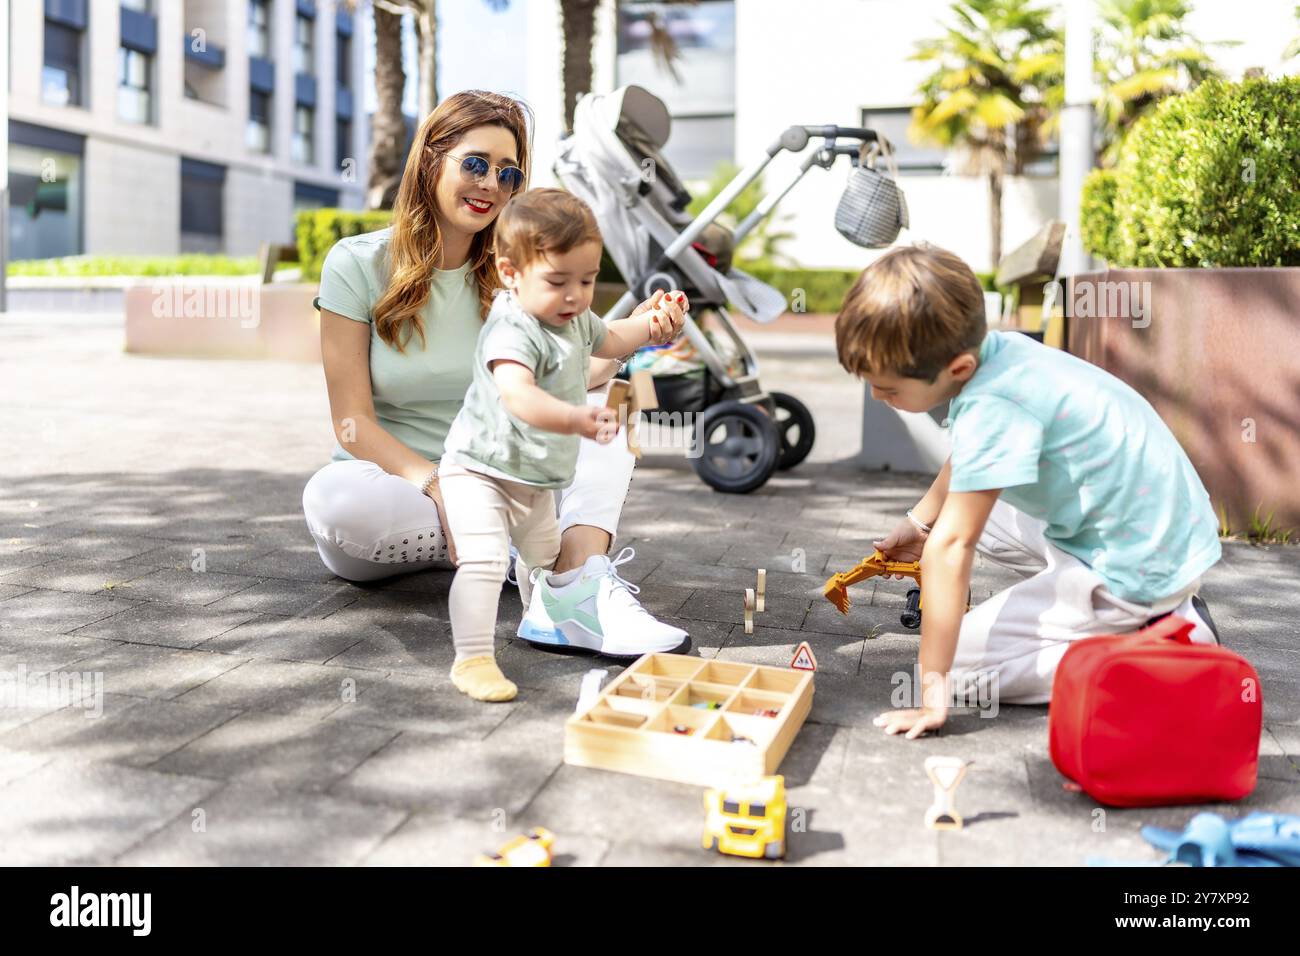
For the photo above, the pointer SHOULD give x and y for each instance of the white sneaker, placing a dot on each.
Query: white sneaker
(597, 612)
(1194, 610)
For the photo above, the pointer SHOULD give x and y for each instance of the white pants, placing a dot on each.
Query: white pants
(369, 524)
(1018, 636)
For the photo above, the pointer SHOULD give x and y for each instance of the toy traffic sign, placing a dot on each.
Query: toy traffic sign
(803, 658)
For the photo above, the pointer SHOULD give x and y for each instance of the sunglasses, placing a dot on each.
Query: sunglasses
(474, 169)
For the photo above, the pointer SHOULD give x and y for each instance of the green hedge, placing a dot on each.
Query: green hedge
(319, 229)
(195, 264)
(823, 290)
(1207, 179)
(1097, 214)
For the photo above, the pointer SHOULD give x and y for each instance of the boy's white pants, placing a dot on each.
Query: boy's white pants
(1018, 636)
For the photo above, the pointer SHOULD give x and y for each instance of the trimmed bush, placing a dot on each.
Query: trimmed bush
(1097, 214)
(1209, 179)
(318, 229)
(823, 290)
(193, 264)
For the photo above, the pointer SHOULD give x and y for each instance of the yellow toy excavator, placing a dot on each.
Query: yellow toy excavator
(837, 588)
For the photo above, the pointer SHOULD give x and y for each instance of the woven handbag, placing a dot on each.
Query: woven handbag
(872, 210)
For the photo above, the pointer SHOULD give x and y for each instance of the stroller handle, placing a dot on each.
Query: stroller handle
(795, 138)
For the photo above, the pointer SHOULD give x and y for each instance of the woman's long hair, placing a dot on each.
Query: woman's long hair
(416, 243)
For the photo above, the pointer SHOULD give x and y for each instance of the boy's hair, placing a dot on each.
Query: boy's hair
(542, 221)
(910, 313)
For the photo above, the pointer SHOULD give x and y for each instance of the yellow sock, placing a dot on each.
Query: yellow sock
(480, 678)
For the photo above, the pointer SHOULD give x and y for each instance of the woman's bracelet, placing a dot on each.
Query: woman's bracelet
(432, 477)
(920, 525)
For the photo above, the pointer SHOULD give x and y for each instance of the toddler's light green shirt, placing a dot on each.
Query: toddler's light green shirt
(488, 439)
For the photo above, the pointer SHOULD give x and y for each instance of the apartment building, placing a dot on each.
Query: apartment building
(169, 126)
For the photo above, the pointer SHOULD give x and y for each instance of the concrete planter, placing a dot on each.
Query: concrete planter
(223, 318)
(1213, 350)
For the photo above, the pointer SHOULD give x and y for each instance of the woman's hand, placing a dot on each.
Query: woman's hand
(904, 543)
(668, 315)
(435, 493)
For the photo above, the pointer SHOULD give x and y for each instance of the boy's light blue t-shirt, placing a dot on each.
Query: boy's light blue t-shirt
(417, 392)
(485, 437)
(1075, 446)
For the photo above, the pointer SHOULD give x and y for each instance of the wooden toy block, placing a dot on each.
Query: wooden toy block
(946, 774)
(749, 610)
(643, 391)
(762, 589)
(620, 400)
(710, 723)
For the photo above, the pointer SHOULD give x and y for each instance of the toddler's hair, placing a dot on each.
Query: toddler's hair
(542, 221)
(910, 313)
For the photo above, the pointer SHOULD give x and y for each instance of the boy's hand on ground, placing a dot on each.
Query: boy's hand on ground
(904, 543)
(912, 722)
(596, 422)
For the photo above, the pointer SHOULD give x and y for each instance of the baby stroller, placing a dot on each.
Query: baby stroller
(741, 433)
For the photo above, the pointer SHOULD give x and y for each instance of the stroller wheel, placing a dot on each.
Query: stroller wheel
(735, 447)
(795, 425)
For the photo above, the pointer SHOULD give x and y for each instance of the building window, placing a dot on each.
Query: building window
(303, 45)
(304, 119)
(342, 141)
(259, 28)
(140, 6)
(61, 73)
(259, 122)
(892, 123)
(343, 60)
(202, 208)
(702, 97)
(44, 203)
(133, 85)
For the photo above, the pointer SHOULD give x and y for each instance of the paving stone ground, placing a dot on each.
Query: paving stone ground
(263, 711)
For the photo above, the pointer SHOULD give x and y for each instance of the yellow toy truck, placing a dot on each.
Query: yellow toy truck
(747, 820)
(531, 849)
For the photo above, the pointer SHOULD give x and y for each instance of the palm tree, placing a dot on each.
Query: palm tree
(578, 23)
(388, 125)
(1293, 48)
(994, 92)
(387, 147)
(1144, 53)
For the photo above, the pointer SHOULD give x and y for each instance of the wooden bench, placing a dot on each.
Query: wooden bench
(1028, 269)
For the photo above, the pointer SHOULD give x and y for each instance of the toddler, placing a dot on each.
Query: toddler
(515, 440)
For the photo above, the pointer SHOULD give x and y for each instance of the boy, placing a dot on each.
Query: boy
(1057, 470)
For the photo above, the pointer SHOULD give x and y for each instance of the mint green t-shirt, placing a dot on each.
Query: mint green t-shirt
(488, 439)
(416, 393)
(1075, 446)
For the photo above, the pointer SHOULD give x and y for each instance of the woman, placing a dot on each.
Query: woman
(400, 311)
